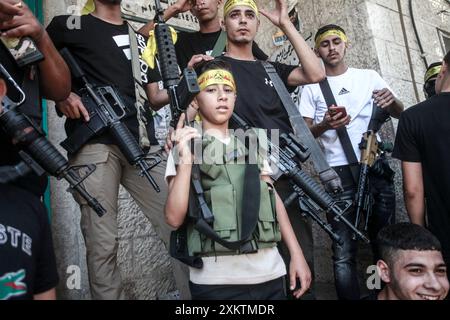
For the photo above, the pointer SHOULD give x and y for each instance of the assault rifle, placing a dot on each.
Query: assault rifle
(37, 152)
(313, 199)
(371, 151)
(106, 110)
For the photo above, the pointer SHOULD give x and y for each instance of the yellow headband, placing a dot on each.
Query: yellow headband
(88, 7)
(332, 32)
(218, 76)
(230, 4)
(432, 72)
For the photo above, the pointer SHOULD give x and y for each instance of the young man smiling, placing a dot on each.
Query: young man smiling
(411, 264)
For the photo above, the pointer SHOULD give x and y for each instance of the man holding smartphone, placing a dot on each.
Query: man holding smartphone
(355, 90)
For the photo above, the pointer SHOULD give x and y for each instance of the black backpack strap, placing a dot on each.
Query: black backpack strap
(342, 132)
(198, 192)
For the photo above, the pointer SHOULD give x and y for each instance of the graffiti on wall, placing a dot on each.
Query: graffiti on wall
(145, 9)
(286, 54)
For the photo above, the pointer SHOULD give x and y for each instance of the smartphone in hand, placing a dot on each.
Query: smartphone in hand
(333, 110)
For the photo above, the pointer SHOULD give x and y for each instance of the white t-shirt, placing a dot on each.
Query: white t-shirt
(260, 267)
(352, 90)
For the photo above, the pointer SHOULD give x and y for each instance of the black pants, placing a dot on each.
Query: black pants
(271, 290)
(344, 256)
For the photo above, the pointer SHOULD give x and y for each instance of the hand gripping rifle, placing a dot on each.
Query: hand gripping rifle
(313, 199)
(180, 95)
(106, 110)
(181, 92)
(371, 150)
(37, 152)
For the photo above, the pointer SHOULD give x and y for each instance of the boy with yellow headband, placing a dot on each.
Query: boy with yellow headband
(356, 90)
(226, 273)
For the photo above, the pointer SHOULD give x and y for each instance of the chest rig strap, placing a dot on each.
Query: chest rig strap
(250, 210)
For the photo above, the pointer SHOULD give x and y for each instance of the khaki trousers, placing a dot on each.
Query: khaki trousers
(100, 234)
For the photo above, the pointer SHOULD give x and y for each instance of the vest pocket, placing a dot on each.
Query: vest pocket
(221, 200)
(223, 206)
(268, 228)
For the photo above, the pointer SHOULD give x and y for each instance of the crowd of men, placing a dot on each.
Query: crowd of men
(232, 227)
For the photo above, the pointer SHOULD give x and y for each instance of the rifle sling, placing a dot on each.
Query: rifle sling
(144, 140)
(341, 132)
(301, 129)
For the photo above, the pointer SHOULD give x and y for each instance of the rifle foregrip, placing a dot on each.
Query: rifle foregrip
(167, 55)
(312, 189)
(45, 153)
(42, 151)
(126, 142)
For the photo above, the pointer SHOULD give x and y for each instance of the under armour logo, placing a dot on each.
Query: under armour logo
(269, 82)
(343, 91)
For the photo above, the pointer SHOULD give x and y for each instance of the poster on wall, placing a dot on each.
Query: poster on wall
(279, 38)
(285, 52)
(141, 11)
(138, 10)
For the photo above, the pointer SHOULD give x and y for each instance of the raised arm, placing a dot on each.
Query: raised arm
(311, 70)
(178, 7)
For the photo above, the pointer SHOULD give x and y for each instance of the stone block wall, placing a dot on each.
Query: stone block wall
(378, 41)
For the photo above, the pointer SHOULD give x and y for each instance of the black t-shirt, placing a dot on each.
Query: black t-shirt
(192, 43)
(27, 259)
(257, 101)
(424, 136)
(9, 154)
(103, 52)
(371, 297)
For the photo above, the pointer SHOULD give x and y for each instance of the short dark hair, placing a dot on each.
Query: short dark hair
(405, 236)
(447, 58)
(327, 28)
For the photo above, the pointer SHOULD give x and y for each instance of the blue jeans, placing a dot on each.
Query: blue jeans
(344, 256)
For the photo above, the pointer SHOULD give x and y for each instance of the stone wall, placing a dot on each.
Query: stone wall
(377, 42)
(382, 37)
(143, 260)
